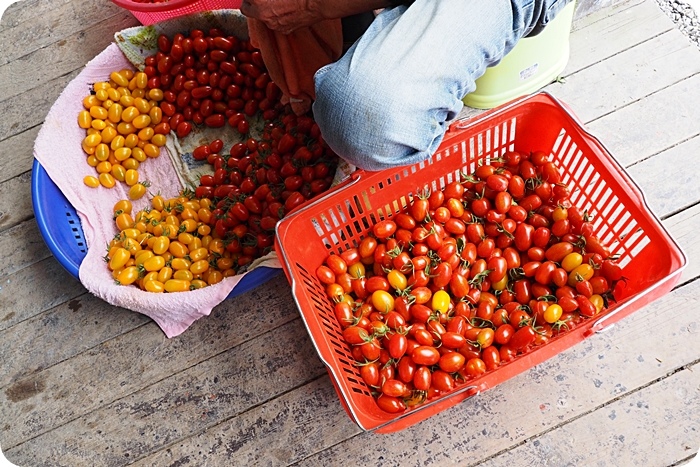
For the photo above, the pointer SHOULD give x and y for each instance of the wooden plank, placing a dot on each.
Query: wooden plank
(21, 246)
(185, 403)
(19, 299)
(59, 58)
(292, 427)
(629, 76)
(132, 357)
(61, 333)
(683, 227)
(575, 382)
(668, 179)
(29, 109)
(651, 125)
(16, 201)
(600, 8)
(28, 10)
(657, 425)
(46, 22)
(601, 35)
(16, 153)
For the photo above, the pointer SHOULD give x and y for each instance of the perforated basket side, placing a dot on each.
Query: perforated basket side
(151, 16)
(58, 222)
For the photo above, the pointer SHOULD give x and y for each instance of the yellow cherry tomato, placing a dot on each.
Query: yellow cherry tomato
(597, 301)
(119, 259)
(131, 177)
(382, 301)
(165, 273)
(155, 263)
(154, 286)
(107, 180)
(215, 277)
(553, 313)
(441, 301)
(176, 285)
(183, 275)
(119, 78)
(161, 245)
(128, 275)
(396, 279)
(124, 221)
(197, 284)
(571, 261)
(581, 272)
(198, 254)
(180, 263)
(91, 181)
(198, 267)
(138, 190)
(84, 119)
(122, 206)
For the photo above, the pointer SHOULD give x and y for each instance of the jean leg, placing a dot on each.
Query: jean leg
(387, 101)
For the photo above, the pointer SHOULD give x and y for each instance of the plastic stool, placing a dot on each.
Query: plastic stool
(533, 63)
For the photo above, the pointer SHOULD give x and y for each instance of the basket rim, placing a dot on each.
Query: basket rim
(167, 5)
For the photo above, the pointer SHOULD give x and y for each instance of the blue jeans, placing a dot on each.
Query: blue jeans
(387, 101)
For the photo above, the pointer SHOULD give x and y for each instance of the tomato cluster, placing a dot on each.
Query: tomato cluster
(167, 247)
(211, 79)
(467, 278)
(258, 181)
(122, 124)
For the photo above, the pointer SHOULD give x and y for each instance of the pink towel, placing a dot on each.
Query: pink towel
(58, 149)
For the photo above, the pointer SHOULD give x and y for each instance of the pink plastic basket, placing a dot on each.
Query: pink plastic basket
(150, 13)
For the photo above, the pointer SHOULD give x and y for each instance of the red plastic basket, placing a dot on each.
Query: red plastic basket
(150, 13)
(650, 258)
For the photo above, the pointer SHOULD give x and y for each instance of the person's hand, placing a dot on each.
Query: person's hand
(284, 16)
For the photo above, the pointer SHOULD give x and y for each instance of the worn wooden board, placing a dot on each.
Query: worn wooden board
(21, 245)
(630, 75)
(16, 201)
(124, 357)
(19, 300)
(63, 18)
(682, 228)
(599, 36)
(669, 181)
(93, 383)
(16, 153)
(655, 425)
(26, 110)
(649, 126)
(187, 402)
(60, 58)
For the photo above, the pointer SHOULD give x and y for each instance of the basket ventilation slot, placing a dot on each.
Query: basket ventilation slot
(77, 233)
(612, 221)
(324, 311)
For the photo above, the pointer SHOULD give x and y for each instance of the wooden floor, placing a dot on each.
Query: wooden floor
(85, 383)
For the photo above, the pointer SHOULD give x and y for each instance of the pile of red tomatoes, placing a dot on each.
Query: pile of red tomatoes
(468, 278)
(220, 81)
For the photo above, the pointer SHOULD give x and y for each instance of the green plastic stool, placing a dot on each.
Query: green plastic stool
(533, 63)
